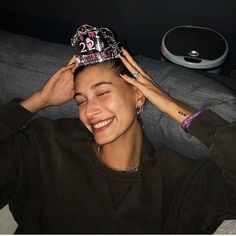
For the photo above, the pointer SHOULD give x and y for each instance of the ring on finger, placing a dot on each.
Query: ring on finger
(136, 75)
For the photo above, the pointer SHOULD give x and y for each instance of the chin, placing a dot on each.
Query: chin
(103, 141)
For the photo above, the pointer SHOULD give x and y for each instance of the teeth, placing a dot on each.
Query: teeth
(102, 124)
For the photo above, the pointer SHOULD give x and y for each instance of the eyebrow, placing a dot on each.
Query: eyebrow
(94, 86)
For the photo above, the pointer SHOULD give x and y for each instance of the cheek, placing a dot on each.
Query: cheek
(108, 106)
(82, 117)
(122, 105)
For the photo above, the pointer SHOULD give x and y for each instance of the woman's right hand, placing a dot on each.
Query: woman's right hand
(58, 89)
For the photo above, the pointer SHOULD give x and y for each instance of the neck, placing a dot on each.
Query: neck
(124, 153)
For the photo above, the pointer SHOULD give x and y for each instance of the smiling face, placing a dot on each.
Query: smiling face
(107, 104)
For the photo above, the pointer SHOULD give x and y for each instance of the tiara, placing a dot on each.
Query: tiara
(94, 45)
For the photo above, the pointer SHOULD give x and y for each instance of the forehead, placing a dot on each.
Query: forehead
(94, 74)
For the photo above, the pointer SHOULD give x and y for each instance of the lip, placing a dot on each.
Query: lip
(101, 125)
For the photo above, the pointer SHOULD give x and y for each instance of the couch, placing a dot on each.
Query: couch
(26, 63)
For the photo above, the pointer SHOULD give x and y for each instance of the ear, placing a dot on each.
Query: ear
(140, 98)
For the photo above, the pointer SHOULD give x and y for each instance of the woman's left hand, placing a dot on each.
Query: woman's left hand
(152, 91)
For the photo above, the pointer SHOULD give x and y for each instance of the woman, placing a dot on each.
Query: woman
(59, 179)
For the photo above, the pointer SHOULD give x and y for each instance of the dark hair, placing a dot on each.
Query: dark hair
(116, 64)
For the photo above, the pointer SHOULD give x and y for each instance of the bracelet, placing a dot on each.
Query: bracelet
(186, 123)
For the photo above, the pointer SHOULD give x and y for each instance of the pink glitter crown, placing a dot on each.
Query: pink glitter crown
(94, 45)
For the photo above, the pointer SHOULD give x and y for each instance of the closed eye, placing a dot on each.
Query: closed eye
(80, 103)
(101, 94)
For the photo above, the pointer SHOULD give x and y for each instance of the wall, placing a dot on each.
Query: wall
(141, 22)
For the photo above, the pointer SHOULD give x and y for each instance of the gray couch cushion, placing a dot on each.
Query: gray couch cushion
(26, 63)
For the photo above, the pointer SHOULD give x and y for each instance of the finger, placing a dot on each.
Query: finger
(66, 68)
(130, 59)
(129, 66)
(136, 73)
(72, 60)
(133, 62)
(131, 81)
(75, 67)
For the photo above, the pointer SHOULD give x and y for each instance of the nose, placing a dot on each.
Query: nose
(92, 110)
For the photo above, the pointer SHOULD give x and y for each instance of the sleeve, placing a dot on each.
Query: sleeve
(16, 148)
(220, 137)
(12, 117)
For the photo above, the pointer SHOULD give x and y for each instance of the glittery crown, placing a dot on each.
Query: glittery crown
(94, 45)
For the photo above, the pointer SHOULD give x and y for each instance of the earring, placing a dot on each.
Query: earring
(139, 110)
(138, 113)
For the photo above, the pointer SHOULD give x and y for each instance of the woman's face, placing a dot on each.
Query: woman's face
(107, 104)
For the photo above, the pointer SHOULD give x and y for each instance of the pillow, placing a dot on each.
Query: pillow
(26, 63)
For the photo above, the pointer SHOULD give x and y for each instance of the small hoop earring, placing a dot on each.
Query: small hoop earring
(138, 113)
(139, 110)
